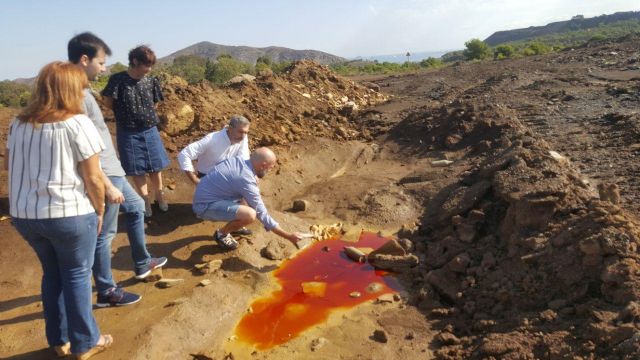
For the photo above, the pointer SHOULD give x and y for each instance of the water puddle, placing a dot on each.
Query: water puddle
(317, 281)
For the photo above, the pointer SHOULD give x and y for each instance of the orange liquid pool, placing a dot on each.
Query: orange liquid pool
(329, 277)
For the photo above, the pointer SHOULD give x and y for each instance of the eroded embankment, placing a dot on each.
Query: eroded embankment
(522, 258)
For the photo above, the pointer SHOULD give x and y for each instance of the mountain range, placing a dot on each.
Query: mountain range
(249, 54)
(578, 22)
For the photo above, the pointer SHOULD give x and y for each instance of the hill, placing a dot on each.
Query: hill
(576, 23)
(251, 54)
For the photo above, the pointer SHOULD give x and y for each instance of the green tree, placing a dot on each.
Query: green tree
(503, 52)
(192, 68)
(225, 68)
(476, 49)
(117, 67)
(224, 56)
(264, 60)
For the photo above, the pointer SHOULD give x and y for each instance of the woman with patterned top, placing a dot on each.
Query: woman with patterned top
(133, 96)
(56, 198)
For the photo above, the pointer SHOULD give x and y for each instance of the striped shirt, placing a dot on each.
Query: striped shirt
(44, 182)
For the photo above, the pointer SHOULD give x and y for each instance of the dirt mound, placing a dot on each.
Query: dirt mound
(520, 258)
(307, 100)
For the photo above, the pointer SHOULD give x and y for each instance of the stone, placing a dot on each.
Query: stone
(240, 79)
(631, 313)
(314, 288)
(548, 315)
(167, 283)
(446, 338)
(466, 232)
(445, 282)
(406, 244)
(590, 246)
(380, 336)
(391, 247)
(441, 163)
(209, 267)
(459, 263)
(394, 263)
(205, 282)
(386, 298)
(354, 254)
(372, 86)
(300, 205)
(609, 192)
(176, 118)
(559, 158)
(557, 304)
(348, 108)
(355, 294)
(275, 250)
(318, 343)
(374, 287)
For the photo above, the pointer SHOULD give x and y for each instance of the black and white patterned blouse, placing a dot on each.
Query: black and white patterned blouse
(133, 100)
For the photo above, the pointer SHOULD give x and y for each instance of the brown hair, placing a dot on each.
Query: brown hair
(143, 54)
(57, 95)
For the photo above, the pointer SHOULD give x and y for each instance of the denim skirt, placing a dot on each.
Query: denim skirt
(141, 151)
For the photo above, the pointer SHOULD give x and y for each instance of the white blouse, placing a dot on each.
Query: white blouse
(44, 182)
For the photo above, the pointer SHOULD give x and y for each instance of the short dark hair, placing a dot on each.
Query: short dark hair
(85, 44)
(143, 54)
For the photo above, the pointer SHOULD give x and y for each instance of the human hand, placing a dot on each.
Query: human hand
(295, 237)
(100, 219)
(114, 196)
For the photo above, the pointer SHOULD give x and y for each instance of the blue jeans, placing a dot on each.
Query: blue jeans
(133, 207)
(65, 247)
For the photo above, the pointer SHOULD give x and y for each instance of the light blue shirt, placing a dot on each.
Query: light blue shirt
(232, 179)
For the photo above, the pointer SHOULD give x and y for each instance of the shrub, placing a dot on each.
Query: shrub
(503, 52)
(536, 48)
(476, 49)
(431, 62)
(13, 94)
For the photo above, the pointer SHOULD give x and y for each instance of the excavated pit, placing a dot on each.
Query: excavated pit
(526, 236)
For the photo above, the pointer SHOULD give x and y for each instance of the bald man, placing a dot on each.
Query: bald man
(219, 194)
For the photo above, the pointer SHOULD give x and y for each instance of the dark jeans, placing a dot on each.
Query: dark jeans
(65, 247)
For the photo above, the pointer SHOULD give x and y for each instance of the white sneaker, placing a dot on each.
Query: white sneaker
(164, 207)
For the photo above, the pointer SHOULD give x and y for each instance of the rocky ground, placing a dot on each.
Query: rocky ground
(515, 181)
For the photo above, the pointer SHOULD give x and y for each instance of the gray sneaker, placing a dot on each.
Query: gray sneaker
(226, 241)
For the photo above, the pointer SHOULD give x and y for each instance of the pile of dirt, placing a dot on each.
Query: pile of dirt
(307, 100)
(520, 258)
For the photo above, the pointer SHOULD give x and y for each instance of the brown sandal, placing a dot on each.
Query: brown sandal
(108, 341)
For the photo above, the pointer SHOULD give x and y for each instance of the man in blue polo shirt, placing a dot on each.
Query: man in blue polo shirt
(219, 194)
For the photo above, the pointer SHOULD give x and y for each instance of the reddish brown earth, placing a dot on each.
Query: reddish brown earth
(521, 256)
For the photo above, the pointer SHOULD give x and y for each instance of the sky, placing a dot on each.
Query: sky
(34, 33)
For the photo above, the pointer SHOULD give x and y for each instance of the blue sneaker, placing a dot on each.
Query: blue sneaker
(117, 297)
(154, 263)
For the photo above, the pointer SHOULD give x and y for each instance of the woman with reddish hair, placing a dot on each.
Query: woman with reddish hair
(56, 200)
